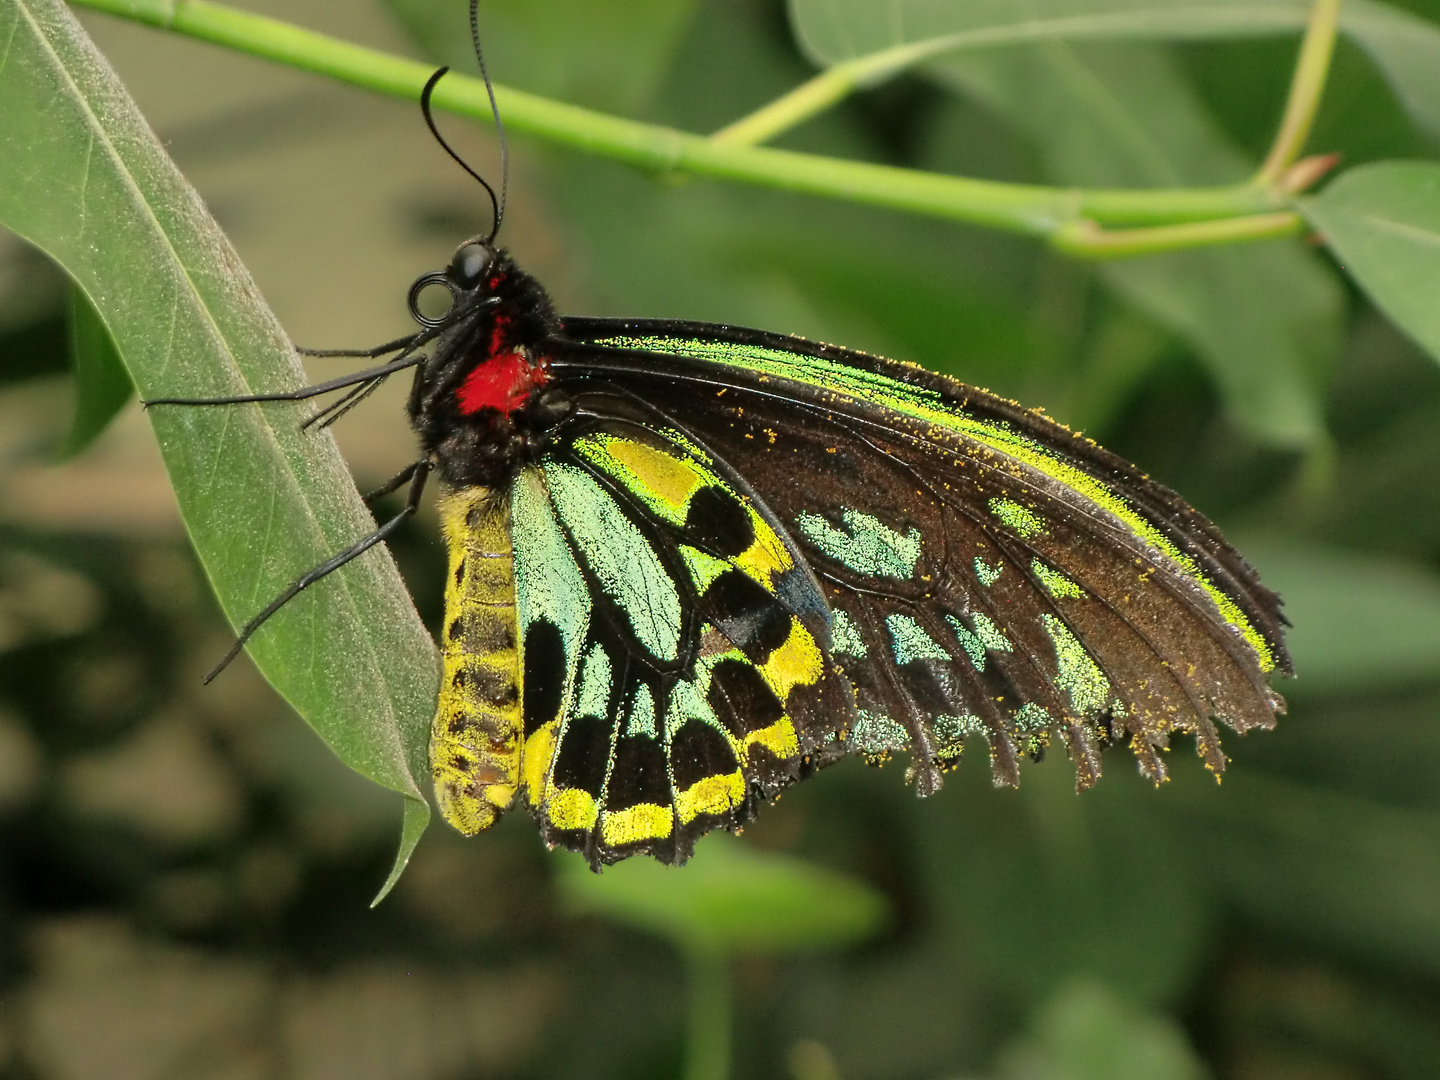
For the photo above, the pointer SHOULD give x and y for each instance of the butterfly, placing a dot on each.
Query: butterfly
(691, 564)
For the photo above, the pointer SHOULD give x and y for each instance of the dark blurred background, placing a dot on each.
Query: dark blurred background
(185, 872)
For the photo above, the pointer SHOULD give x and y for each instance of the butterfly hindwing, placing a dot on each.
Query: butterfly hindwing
(673, 645)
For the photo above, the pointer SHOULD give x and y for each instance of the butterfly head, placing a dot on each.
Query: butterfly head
(472, 280)
(482, 403)
(471, 264)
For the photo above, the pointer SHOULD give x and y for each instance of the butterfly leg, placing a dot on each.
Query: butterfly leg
(342, 405)
(378, 350)
(395, 483)
(417, 477)
(400, 363)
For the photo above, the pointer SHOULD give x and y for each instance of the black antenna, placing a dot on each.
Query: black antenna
(435, 131)
(495, 112)
(497, 202)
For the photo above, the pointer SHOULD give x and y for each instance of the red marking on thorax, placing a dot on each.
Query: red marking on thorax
(497, 334)
(504, 379)
(502, 382)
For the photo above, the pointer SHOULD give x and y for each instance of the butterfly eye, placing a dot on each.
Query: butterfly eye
(470, 264)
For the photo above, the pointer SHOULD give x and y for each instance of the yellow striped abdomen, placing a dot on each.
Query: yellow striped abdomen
(475, 737)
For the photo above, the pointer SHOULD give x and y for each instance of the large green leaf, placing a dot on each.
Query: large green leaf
(1382, 222)
(835, 30)
(84, 179)
(1406, 48)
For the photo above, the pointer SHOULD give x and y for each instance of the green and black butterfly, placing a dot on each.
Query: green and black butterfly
(691, 564)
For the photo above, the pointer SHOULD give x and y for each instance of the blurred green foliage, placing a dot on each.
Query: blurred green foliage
(165, 848)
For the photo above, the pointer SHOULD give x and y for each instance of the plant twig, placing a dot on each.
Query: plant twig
(829, 87)
(1306, 87)
(1035, 210)
(1088, 240)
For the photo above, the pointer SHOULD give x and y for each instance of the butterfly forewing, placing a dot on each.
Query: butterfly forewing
(989, 571)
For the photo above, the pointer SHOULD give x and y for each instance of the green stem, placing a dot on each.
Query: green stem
(707, 1035)
(832, 86)
(1031, 209)
(1087, 240)
(839, 80)
(1306, 87)
(810, 98)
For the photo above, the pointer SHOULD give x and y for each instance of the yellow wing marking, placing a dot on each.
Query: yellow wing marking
(643, 821)
(535, 762)
(779, 738)
(767, 556)
(713, 795)
(571, 808)
(668, 480)
(797, 661)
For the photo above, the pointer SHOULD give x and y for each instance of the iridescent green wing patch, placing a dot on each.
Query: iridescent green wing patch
(991, 575)
(673, 646)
